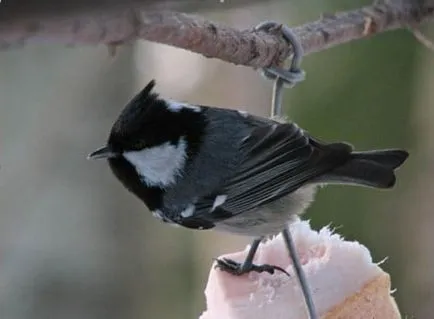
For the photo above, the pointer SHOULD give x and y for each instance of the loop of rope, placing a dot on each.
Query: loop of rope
(283, 78)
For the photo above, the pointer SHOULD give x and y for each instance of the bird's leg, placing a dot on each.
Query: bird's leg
(238, 269)
(300, 273)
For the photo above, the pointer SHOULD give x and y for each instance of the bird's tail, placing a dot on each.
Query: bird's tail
(371, 168)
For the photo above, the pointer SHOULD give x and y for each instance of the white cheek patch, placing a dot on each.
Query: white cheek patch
(178, 106)
(159, 165)
(219, 200)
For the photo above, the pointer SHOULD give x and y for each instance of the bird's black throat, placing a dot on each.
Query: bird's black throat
(152, 196)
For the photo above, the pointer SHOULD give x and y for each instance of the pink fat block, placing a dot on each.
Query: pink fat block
(340, 274)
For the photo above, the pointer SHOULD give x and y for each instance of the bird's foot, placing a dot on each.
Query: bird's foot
(238, 269)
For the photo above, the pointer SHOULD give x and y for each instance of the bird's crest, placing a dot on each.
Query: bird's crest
(135, 112)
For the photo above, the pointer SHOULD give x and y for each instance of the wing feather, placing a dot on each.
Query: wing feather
(278, 159)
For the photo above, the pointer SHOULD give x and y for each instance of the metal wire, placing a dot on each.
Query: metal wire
(310, 306)
(283, 78)
(288, 78)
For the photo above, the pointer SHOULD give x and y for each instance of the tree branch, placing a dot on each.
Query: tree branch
(119, 25)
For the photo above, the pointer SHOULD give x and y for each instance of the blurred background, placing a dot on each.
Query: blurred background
(75, 244)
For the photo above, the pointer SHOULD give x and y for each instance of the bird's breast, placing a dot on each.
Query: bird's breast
(271, 218)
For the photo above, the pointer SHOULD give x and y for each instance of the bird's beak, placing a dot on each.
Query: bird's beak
(102, 152)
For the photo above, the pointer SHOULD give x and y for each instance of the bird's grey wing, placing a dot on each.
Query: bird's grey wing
(277, 159)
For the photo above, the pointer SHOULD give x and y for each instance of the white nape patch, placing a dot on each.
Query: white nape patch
(243, 113)
(188, 212)
(219, 200)
(159, 165)
(178, 106)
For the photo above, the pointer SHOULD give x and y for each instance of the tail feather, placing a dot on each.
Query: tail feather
(389, 158)
(371, 168)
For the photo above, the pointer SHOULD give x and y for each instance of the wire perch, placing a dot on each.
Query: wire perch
(288, 78)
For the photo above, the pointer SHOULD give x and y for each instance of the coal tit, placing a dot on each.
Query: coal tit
(212, 168)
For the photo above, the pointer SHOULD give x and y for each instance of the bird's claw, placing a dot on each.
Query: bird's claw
(238, 269)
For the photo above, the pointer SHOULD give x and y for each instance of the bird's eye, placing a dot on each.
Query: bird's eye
(139, 145)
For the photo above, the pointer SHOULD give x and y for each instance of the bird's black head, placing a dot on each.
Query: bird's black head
(148, 121)
(151, 142)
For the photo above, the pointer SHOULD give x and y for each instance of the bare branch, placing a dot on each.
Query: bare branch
(119, 25)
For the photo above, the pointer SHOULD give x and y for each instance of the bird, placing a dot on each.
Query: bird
(204, 168)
